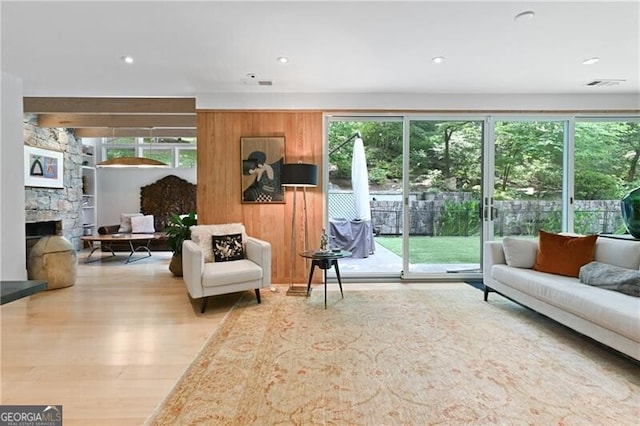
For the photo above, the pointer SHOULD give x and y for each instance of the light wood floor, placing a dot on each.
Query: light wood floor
(109, 348)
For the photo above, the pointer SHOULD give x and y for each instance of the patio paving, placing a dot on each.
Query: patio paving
(385, 262)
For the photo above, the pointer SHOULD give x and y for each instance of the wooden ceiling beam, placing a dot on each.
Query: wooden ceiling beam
(73, 121)
(37, 105)
(105, 132)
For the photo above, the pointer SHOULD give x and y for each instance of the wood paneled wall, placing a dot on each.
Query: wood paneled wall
(219, 180)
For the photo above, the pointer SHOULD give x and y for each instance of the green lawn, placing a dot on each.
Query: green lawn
(436, 249)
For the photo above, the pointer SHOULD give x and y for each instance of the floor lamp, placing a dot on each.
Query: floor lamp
(298, 175)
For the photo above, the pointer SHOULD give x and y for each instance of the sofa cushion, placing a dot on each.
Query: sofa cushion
(520, 253)
(125, 221)
(227, 247)
(611, 277)
(625, 254)
(612, 310)
(564, 254)
(142, 224)
(202, 235)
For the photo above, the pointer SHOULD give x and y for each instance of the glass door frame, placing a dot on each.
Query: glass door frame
(354, 116)
(568, 125)
(406, 274)
(568, 120)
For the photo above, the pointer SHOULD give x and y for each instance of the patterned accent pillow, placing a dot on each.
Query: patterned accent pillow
(227, 247)
(201, 235)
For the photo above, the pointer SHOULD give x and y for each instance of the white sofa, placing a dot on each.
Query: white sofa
(204, 277)
(610, 317)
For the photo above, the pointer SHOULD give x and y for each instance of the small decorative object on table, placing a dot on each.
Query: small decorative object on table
(630, 207)
(324, 241)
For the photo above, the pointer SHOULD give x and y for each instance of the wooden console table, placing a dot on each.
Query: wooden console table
(108, 239)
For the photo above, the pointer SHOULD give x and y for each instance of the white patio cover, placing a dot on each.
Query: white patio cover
(360, 181)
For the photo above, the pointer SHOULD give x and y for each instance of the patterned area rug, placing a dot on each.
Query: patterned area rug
(411, 356)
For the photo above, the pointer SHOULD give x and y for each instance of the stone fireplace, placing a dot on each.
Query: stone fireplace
(55, 211)
(36, 230)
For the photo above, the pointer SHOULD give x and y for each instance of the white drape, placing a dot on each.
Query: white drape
(360, 181)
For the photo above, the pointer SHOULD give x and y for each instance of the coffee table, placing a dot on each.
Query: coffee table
(108, 239)
(325, 260)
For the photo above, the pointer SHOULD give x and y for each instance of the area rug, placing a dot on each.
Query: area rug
(411, 356)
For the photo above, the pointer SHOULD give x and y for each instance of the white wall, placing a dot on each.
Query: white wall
(119, 189)
(413, 101)
(13, 264)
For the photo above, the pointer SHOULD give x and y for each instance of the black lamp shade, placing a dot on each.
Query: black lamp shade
(299, 174)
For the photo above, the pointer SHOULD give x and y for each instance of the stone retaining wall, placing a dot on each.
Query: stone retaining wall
(514, 217)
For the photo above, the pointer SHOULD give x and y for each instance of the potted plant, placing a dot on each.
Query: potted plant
(179, 229)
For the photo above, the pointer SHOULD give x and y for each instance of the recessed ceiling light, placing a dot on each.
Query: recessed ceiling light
(527, 15)
(283, 59)
(438, 59)
(127, 59)
(590, 61)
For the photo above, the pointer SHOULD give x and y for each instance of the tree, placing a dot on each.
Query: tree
(605, 153)
(527, 153)
(629, 136)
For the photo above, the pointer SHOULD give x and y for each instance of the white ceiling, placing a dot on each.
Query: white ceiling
(190, 48)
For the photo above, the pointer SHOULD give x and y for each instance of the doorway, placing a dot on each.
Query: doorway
(425, 192)
(443, 189)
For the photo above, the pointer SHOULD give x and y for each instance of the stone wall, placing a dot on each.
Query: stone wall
(426, 213)
(514, 217)
(54, 204)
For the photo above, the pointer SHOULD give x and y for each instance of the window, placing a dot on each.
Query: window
(177, 152)
(607, 152)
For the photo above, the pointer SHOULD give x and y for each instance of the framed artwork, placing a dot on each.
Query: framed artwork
(262, 160)
(43, 167)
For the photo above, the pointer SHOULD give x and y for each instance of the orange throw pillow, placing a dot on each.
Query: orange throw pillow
(563, 254)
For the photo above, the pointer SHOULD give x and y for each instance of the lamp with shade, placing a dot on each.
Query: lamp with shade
(298, 175)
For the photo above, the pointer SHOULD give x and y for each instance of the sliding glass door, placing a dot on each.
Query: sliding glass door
(364, 194)
(607, 152)
(529, 184)
(443, 193)
(438, 187)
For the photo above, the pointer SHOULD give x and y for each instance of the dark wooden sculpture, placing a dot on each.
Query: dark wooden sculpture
(170, 194)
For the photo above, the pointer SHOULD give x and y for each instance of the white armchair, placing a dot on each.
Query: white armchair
(207, 276)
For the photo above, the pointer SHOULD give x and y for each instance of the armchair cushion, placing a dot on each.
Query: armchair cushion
(227, 247)
(205, 279)
(238, 271)
(202, 235)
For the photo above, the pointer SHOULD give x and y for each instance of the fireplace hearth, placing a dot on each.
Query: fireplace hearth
(36, 230)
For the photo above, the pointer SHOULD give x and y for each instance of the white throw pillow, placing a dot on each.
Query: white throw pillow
(520, 253)
(202, 235)
(142, 224)
(125, 221)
